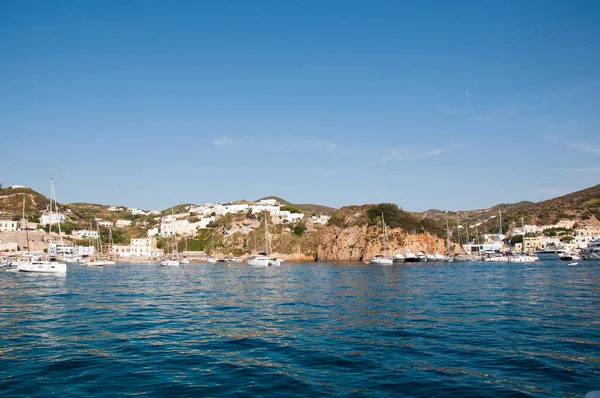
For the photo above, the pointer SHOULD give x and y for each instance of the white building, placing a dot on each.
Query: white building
(85, 233)
(115, 208)
(267, 202)
(152, 232)
(203, 223)
(7, 225)
(293, 217)
(53, 218)
(84, 251)
(322, 219)
(177, 227)
(122, 223)
(143, 247)
(136, 212)
(104, 223)
(258, 208)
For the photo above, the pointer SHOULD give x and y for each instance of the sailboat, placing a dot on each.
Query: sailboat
(49, 264)
(383, 259)
(212, 259)
(173, 259)
(263, 259)
(185, 260)
(99, 260)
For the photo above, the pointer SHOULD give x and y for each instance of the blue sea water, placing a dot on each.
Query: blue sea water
(465, 329)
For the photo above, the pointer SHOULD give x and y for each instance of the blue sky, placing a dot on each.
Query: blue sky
(439, 104)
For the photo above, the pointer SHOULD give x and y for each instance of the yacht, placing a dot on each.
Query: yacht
(422, 257)
(569, 256)
(410, 257)
(398, 258)
(263, 259)
(522, 258)
(47, 264)
(383, 259)
(550, 253)
(439, 257)
(592, 252)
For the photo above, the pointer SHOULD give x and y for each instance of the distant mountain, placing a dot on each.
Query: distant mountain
(307, 208)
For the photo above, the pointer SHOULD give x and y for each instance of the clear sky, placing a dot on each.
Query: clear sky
(427, 104)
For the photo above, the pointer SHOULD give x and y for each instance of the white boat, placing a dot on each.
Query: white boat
(422, 257)
(592, 252)
(42, 266)
(49, 264)
(383, 259)
(522, 258)
(550, 253)
(569, 256)
(184, 261)
(398, 258)
(439, 257)
(410, 257)
(262, 259)
(168, 262)
(496, 259)
(430, 257)
(211, 260)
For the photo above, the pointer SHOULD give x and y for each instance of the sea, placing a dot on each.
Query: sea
(467, 329)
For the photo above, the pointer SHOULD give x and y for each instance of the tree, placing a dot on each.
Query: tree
(516, 239)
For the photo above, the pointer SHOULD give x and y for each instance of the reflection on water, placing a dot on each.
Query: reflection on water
(470, 329)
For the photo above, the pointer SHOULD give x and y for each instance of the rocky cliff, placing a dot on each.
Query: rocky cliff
(355, 233)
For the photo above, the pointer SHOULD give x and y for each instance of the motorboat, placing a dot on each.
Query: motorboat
(398, 258)
(439, 257)
(42, 266)
(169, 262)
(410, 257)
(522, 258)
(592, 252)
(569, 256)
(381, 260)
(422, 257)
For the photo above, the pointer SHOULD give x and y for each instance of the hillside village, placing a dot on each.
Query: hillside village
(236, 229)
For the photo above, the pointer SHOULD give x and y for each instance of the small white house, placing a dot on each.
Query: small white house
(85, 233)
(53, 218)
(7, 225)
(122, 223)
(152, 232)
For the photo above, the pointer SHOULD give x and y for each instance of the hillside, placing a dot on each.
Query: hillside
(11, 201)
(580, 206)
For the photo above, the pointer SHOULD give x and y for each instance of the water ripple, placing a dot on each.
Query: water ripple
(470, 329)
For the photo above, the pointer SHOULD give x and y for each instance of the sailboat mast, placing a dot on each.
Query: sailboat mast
(99, 237)
(447, 235)
(53, 194)
(386, 241)
(500, 211)
(266, 235)
(26, 229)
